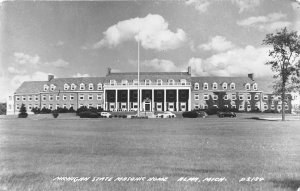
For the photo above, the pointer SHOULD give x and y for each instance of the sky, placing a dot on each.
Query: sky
(81, 39)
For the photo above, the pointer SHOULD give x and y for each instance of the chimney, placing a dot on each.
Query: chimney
(50, 77)
(108, 71)
(189, 70)
(251, 76)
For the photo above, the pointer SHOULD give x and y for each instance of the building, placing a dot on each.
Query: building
(159, 91)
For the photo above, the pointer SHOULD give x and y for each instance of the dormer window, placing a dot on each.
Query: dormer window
(196, 86)
(46, 87)
(205, 86)
(73, 86)
(171, 82)
(159, 82)
(66, 87)
(255, 86)
(147, 82)
(124, 82)
(135, 82)
(247, 86)
(183, 82)
(82, 86)
(91, 86)
(99, 86)
(224, 86)
(52, 87)
(215, 86)
(112, 82)
(232, 86)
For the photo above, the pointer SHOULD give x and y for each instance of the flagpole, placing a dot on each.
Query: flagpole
(138, 86)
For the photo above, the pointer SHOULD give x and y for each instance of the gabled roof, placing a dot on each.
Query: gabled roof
(239, 81)
(153, 76)
(38, 86)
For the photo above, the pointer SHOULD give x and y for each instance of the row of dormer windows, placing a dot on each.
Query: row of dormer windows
(224, 86)
(226, 97)
(82, 86)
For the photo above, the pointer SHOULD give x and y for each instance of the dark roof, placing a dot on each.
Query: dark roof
(153, 76)
(265, 84)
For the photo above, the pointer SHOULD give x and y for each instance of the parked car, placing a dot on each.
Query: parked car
(166, 114)
(226, 114)
(105, 114)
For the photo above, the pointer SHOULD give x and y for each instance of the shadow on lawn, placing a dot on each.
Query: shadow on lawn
(286, 183)
(189, 171)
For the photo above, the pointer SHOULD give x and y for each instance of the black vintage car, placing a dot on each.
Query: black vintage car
(226, 114)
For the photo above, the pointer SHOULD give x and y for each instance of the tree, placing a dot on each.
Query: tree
(23, 112)
(284, 62)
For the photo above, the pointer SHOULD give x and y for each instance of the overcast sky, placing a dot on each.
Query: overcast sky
(73, 39)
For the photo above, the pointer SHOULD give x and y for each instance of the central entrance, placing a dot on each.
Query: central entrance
(147, 104)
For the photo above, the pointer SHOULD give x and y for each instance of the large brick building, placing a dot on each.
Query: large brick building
(159, 91)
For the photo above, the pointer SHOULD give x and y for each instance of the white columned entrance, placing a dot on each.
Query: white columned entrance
(177, 105)
(165, 104)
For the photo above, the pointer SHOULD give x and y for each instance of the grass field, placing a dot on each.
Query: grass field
(34, 152)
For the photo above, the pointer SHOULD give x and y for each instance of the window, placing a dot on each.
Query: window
(36, 98)
(225, 97)
(159, 82)
(52, 87)
(23, 98)
(17, 107)
(46, 87)
(17, 98)
(205, 97)
(183, 82)
(215, 106)
(233, 106)
(80, 105)
(72, 105)
(57, 98)
(71, 97)
(247, 86)
(81, 97)
(248, 96)
(171, 82)
(99, 87)
(66, 87)
(241, 96)
(241, 107)
(196, 106)
(44, 98)
(272, 97)
(196, 96)
(205, 86)
(50, 97)
(224, 86)
(29, 98)
(91, 86)
(255, 86)
(215, 97)
(147, 82)
(248, 107)
(99, 97)
(99, 106)
(233, 96)
(73, 86)
(272, 107)
(29, 107)
(82, 86)
(90, 105)
(64, 97)
(279, 107)
(50, 106)
(90, 97)
(232, 86)
(196, 86)
(64, 105)
(265, 107)
(215, 86)
(44, 106)
(265, 97)
(135, 82)
(256, 97)
(112, 82)
(57, 106)
(286, 107)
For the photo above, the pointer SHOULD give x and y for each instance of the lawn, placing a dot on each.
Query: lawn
(33, 153)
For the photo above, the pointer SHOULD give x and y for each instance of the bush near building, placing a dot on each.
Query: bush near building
(23, 112)
(2, 108)
(88, 114)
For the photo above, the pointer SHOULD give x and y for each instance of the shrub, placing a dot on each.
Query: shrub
(190, 114)
(212, 110)
(45, 110)
(36, 110)
(88, 114)
(23, 112)
(124, 116)
(55, 114)
(270, 111)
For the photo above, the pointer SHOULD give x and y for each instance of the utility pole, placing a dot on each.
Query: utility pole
(138, 86)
